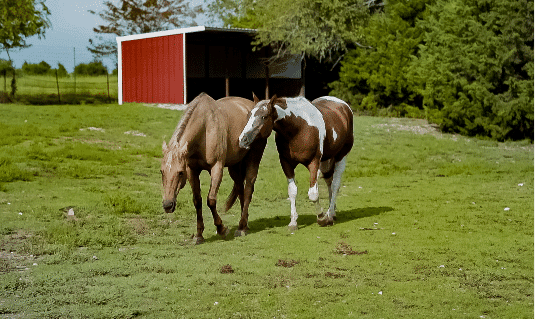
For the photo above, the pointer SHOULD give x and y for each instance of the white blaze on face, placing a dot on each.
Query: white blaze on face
(334, 135)
(249, 126)
(302, 108)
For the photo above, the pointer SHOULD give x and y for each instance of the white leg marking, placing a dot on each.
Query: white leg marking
(313, 193)
(292, 193)
(339, 168)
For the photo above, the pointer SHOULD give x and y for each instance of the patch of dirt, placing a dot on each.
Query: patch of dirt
(138, 225)
(12, 252)
(334, 275)
(344, 248)
(286, 263)
(423, 128)
(227, 269)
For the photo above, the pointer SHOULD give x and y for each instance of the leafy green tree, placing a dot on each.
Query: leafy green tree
(318, 28)
(138, 16)
(62, 72)
(92, 69)
(41, 68)
(476, 66)
(376, 75)
(20, 19)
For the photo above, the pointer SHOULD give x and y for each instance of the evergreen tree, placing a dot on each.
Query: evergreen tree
(375, 76)
(477, 67)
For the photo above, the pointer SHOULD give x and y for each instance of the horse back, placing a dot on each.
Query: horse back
(338, 118)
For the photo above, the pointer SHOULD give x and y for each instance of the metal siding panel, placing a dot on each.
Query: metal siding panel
(165, 71)
(159, 71)
(171, 69)
(145, 70)
(154, 68)
(127, 79)
(131, 73)
(137, 72)
(176, 85)
(180, 71)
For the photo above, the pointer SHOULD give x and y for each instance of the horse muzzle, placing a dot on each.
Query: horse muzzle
(169, 206)
(244, 143)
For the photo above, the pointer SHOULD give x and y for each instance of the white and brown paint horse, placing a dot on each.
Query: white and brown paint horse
(206, 138)
(317, 135)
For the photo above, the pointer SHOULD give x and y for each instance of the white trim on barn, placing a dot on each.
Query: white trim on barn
(184, 66)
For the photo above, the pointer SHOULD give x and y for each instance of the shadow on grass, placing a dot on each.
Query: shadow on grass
(261, 224)
(304, 220)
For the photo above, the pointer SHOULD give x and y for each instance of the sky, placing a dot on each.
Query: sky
(71, 27)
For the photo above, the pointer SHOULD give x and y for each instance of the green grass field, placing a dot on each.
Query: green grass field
(44, 84)
(430, 225)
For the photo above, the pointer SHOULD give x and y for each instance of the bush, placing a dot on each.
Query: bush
(477, 67)
(377, 76)
(91, 69)
(36, 69)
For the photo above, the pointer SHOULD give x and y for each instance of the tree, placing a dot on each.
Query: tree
(20, 19)
(139, 16)
(62, 72)
(92, 69)
(377, 76)
(318, 28)
(476, 66)
(41, 68)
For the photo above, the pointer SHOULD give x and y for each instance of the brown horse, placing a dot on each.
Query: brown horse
(206, 138)
(318, 135)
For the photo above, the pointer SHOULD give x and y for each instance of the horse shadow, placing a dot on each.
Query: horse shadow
(306, 220)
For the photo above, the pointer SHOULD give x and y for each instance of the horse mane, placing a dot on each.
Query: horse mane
(181, 127)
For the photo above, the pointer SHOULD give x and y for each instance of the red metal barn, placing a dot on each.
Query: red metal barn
(175, 66)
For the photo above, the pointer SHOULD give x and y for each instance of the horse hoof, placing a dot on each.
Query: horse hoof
(325, 221)
(240, 233)
(198, 240)
(292, 228)
(224, 232)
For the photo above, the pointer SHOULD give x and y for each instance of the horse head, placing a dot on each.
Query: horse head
(260, 121)
(174, 174)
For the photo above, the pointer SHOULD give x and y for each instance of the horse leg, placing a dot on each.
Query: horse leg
(235, 173)
(216, 174)
(195, 184)
(313, 191)
(252, 162)
(327, 169)
(289, 171)
(339, 168)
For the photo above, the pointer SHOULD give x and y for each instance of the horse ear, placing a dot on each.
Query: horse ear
(255, 99)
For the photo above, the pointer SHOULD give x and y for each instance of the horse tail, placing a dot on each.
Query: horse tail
(232, 198)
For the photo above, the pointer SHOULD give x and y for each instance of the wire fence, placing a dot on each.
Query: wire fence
(53, 89)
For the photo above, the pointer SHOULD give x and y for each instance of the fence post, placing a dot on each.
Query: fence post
(74, 71)
(57, 84)
(108, 82)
